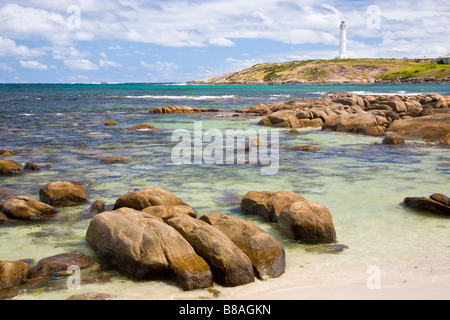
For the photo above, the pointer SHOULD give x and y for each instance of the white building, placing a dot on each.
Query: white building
(343, 44)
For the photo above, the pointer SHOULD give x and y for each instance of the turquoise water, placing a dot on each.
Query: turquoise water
(362, 182)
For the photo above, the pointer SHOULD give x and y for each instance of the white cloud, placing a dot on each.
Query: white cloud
(222, 42)
(106, 63)
(80, 65)
(160, 66)
(9, 48)
(32, 64)
(5, 67)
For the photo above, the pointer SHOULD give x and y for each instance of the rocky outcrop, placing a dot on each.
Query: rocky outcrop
(8, 167)
(265, 252)
(437, 203)
(64, 193)
(25, 208)
(229, 264)
(306, 221)
(142, 199)
(180, 109)
(418, 117)
(144, 247)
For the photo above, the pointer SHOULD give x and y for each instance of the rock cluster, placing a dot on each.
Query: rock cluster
(153, 234)
(370, 115)
(19, 275)
(181, 109)
(306, 221)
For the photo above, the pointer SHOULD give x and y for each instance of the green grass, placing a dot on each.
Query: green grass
(439, 71)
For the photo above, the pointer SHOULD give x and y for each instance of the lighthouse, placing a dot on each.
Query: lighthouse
(343, 44)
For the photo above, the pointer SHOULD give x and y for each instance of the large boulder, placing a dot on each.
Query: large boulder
(360, 123)
(26, 208)
(431, 127)
(8, 167)
(266, 253)
(268, 204)
(64, 193)
(308, 222)
(144, 247)
(181, 109)
(12, 273)
(229, 264)
(142, 199)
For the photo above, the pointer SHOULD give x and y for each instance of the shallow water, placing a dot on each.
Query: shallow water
(362, 182)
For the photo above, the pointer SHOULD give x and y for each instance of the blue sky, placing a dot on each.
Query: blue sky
(87, 41)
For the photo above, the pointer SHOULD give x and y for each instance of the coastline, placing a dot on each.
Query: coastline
(330, 276)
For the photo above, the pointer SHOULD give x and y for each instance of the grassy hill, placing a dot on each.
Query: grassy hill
(332, 71)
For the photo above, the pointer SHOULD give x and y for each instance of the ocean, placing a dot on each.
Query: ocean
(362, 182)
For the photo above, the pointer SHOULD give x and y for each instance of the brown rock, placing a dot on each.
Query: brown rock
(427, 204)
(168, 212)
(110, 123)
(266, 253)
(430, 128)
(31, 166)
(146, 248)
(393, 139)
(362, 123)
(303, 148)
(25, 208)
(230, 266)
(8, 167)
(64, 193)
(445, 140)
(96, 208)
(6, 153)
(308, 222)
(62, 262)
(268, 204)
(12, 273)
(147, 198)
(442, 198)
(181, 109)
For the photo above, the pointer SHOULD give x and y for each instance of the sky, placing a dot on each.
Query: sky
(123, 41)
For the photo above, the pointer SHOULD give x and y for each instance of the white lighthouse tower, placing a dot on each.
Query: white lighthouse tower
(343, 44)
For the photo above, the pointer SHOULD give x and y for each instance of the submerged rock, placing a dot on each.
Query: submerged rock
(393, 139)
(96, 208)
(8, 167)
(65, 193)
(143, 127)
(6, 153)
(430, 204)
(26, 208)
(266, 253)
(229, 264)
